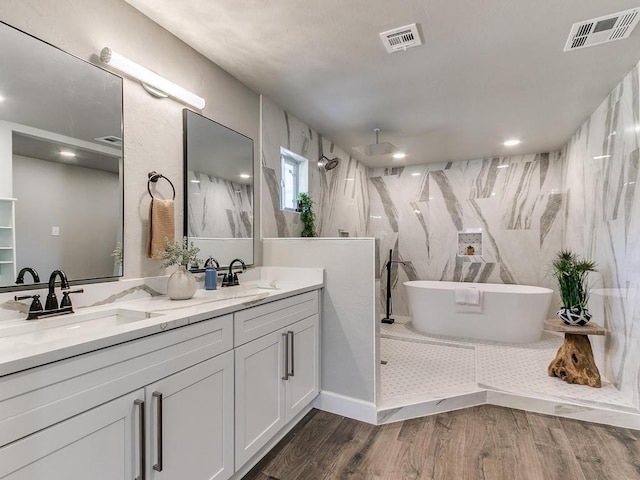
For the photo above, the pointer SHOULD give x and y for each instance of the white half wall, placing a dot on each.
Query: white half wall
(348, 326)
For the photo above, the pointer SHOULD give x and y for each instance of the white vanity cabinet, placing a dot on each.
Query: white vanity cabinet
(100, 444)
(190, 422)
(88, 424)
(197, 402)
(277, 369)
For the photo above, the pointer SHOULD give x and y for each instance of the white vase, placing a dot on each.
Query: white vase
(181, 284)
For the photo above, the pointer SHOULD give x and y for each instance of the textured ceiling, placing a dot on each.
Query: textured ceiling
(488, 70)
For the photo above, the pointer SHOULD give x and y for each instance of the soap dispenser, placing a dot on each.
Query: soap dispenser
(211, 274)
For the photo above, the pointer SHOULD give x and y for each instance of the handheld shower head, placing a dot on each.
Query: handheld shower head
(328, 163)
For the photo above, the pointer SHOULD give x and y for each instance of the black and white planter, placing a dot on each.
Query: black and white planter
(574, 316)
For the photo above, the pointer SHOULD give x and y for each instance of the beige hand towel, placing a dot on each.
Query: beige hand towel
(161, 226)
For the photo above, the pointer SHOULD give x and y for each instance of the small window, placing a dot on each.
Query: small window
(294, 175)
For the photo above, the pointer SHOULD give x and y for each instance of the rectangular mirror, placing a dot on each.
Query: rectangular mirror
(61, 195)
(218, 175)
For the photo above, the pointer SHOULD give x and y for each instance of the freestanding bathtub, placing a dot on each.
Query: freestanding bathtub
(509, 313)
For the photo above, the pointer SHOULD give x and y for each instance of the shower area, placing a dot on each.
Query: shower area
(494, 220)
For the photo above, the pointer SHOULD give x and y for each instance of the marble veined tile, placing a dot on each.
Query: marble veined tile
(515, 201)
(602, 222)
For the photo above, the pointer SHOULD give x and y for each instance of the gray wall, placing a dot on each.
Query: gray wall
(153, 127)
(71, 198)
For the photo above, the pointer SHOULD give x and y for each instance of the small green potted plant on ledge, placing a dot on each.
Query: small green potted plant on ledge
(307, 216)
(181, 284)
(571, 273)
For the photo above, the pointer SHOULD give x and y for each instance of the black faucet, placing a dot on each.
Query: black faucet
(52, 300)
(32, 271)
(230, 279)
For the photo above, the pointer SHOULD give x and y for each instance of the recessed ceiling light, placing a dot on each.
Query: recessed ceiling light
(399, 155)
(512, 142)
(67, 153)
(195, 181)
(415, 174)
(503, 166)
(599, 157)
(244, 175)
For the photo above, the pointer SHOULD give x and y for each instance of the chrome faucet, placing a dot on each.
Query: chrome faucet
(230, 279)
(212, 260)
(32, 271)
(52, 300)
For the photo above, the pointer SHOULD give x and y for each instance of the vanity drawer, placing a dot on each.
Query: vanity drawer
(34, 399)
(258, 321)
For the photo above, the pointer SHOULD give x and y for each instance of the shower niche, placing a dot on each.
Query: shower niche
(470, 243)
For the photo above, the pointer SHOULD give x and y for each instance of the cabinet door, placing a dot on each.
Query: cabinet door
(100, 444)
(190, 417)
(259, 394)
(303, 383)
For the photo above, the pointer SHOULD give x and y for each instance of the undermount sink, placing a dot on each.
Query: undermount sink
(51, 329)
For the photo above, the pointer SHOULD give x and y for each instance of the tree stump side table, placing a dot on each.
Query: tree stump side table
(574, 362)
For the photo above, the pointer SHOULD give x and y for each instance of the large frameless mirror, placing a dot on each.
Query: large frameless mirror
(218, 175)
(61, 162)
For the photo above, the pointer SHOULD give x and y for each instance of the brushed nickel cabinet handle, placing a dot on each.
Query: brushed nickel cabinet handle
(142, 440)
(290, 332)
(285, 336)
(158, 465)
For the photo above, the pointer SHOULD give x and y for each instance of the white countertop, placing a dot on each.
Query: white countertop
(27, 344)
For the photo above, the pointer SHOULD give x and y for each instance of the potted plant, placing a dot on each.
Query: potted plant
(307, 216)
(181, 284)
(571, 272)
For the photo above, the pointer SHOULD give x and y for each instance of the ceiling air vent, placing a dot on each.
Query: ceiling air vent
(111, 140)
(609, 28)
(399, 39)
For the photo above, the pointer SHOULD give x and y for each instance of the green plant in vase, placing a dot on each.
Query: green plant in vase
(307, 216)
(571, 274)
(181, 284)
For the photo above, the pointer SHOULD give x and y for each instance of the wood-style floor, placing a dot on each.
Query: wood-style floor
(483, 443)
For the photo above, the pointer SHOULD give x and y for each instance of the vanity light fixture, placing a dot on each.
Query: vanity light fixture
(244, 175)
(67, 153)
(399, 155)
(512, 143)
(503, 166)
(152, 82)
(600, 157)
(416, 174)
(195, 181)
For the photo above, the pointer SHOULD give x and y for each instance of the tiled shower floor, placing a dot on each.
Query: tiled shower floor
(421, 368)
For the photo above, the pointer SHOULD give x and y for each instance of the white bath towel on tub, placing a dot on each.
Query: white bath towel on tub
(468, 300)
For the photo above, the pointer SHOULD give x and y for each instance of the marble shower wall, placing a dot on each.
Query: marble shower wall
(418, 211)
(341, 196)
(603, 223)
(219, 208)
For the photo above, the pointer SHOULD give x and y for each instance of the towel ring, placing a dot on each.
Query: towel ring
(154, 177)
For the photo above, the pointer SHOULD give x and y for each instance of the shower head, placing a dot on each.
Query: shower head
(376, 149)
(328, 163)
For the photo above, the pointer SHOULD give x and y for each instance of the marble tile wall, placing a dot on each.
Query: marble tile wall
(219, 208)
(418, 211)
(341, 196)
(602, 218)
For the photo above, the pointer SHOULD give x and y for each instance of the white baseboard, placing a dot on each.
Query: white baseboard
(347, 407)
